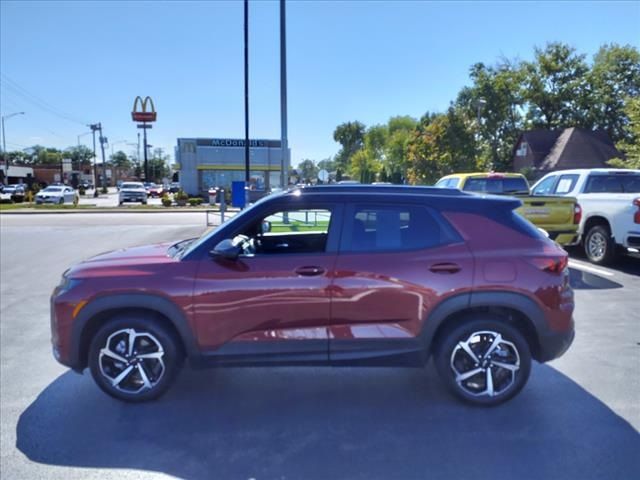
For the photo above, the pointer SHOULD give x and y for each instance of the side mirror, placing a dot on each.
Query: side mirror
(226, 249)
(265, 226)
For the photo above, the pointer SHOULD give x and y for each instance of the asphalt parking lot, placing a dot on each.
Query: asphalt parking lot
(578, 418)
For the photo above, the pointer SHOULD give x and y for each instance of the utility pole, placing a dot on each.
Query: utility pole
(247, 175)
(4, 144)
(284, 148)
(102, 142)
(94, 127)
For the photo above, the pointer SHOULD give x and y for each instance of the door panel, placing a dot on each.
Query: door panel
(389, 295)
(263, 298)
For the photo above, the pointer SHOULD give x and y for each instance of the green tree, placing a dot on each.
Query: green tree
(630, 146)
(350, 135)
(158, 169)
(307, 170)
(442, 144)
(400, 130)
(556, 87)
(120, 160)
(614, 79)
(80, 156)
(492, 106)
(327, 164)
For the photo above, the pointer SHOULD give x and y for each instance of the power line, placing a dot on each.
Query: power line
(37, 101)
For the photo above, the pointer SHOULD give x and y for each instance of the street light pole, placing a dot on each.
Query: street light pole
(247, 175)
(4, 143)
(284, 148)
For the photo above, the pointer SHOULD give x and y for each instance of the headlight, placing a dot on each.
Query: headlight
(66, 284)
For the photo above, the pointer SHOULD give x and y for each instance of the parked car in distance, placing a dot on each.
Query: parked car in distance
(174, 187)
(610, 201)
(559, 217)
(155, 190)
(58, 195)
(17, 190)
(329, 275)
(132, 192)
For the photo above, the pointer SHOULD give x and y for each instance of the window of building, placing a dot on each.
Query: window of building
(522, 150)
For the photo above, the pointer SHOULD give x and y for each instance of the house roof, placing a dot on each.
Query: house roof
(569, 148)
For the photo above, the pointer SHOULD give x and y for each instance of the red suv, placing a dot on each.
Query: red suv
(332, 275)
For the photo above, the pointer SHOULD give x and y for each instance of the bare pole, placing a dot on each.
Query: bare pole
(284, 161)
(246, 97)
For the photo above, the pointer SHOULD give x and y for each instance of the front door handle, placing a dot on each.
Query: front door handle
(309, 271)
(444, 268)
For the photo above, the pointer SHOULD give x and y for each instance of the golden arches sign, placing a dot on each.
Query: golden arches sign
(144, 114)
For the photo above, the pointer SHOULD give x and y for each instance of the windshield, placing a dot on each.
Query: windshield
(52, 189)
(132, 185)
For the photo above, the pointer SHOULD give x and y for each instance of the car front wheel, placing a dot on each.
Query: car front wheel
(484, 362)
(134, 359)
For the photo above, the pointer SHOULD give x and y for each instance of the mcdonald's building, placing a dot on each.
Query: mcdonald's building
(205, 163)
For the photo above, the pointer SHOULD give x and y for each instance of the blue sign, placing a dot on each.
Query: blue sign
(238, 197)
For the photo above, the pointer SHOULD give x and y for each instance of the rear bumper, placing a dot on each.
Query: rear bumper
(554, 345)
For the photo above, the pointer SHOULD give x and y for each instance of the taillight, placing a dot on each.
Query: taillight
(636, 216)
(577, 214)
(550, 264)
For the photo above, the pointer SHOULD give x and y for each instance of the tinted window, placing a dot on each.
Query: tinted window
(615, 183)
(380, 228)
(566, 183)
(497, 185)
(448, 183)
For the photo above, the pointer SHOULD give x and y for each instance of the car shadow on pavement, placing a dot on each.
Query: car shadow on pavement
(581, 280)
(340, 423)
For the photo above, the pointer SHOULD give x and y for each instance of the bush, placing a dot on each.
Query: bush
(195, 201)
(81, 190)
(35, 188)
(17, 198)
(181, 195)
(166, 201)
(5, 200)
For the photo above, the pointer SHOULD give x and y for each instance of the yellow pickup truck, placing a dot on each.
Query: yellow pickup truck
(558, 216)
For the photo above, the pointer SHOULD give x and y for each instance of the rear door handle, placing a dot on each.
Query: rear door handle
(444, 268)
(309, 271)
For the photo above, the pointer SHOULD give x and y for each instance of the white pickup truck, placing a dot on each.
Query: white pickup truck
(610, 201)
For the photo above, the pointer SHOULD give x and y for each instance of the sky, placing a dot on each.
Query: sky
(67, 64)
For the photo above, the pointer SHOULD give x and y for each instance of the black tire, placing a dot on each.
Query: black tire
(506, 384)
(599, 246)
(144, 202)
(148, 331)
(61, 201)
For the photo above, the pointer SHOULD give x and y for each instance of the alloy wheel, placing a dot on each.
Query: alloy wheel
(597, 245)
(485, 364)
(132, 361)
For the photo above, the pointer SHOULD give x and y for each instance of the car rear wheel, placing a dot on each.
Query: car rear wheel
(134, 358)
(599, 245)
(61, 201)
(484, 362)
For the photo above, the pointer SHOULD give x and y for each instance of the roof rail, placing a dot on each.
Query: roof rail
(379, 189)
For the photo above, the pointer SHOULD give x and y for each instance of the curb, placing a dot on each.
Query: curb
(99, 210)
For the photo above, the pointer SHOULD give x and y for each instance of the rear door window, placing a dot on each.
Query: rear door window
(614, 183)
(377, 228)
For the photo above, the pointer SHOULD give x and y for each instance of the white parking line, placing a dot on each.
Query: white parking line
(588, 268)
